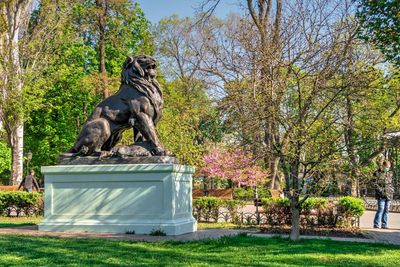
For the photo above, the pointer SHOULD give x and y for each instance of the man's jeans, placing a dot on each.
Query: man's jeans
(382, 213)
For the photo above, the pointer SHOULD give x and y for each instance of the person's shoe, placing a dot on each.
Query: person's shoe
(375, 226)
(385, 227)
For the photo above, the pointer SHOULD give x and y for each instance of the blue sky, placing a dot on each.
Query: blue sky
(158, 9)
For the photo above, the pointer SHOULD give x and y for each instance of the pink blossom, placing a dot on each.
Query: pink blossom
(236, 165)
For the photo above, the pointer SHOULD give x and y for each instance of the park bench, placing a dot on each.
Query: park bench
(8, 188)
(220, 193)
(15, 188)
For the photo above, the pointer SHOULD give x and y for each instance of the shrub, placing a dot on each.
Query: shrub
(207, 208)
(279, 202)
(314, 212)
(314, 203)
(248, 193)
(350, 209)
(233, 207)
(28, 203)
(311, 211)
(277, 211)
(352, 206)
(157, 232)
(244, 194)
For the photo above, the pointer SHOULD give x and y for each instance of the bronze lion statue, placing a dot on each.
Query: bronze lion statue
(137, 104)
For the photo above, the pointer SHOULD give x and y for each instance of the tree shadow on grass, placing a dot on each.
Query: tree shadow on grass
(11, 222)
(227, 251)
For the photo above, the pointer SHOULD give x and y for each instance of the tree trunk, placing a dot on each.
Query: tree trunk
(352, 185)
(17, 14)
(275, 178)
(295, 231)
(17, 155)
(102, 14)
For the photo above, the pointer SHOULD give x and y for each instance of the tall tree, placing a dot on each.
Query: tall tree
(279, 66)
(190, 119)
(114, 29)
(102, 12)
(14, 20)
(27, 32)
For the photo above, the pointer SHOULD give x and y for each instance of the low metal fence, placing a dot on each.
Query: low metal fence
(371, 204)
(261, 218)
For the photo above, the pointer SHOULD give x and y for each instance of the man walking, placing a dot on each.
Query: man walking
(29, 182)
(383, 194)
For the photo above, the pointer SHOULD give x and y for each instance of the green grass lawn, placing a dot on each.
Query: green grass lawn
(19, 221)
(225, 225)
(229, 251)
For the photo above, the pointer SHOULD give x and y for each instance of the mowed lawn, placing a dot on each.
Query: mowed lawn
(241, 250)
(6, 222)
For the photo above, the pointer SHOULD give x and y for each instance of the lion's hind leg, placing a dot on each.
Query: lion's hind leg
(92, 137)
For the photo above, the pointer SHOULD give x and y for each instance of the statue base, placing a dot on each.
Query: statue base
(123, 198)
(90, 160)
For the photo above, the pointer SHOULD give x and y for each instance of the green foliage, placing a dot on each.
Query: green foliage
(70, 96)
(332, 189)
(248, 193)
(315, 212)
(314, 203)
(20, 201)
(127, 31)
(157, 232)
(277, 211)
(352, 206)
(380, 25)
(207, 207)
(243, 193)
(182, 129)
(233, 207)
(5, 163)
(272, 201)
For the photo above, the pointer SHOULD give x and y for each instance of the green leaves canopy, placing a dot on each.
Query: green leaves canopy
(380, 25)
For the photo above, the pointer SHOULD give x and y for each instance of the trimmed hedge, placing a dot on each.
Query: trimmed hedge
(312, 203)
(20, 203)
(315, 212)
(352, 206)
(207, 208)
(351, 209)
(277, 211)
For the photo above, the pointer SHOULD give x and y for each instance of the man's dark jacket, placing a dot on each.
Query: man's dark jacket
(383, 185)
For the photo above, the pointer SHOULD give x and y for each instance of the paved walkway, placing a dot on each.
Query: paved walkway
(366, 221)
(389, 236)
(373, 235)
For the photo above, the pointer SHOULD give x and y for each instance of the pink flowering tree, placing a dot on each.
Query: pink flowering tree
(236, 165)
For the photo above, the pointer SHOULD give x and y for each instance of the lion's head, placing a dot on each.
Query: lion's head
(138, 67)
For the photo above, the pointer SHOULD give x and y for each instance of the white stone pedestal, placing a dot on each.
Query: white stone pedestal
(119, 198)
